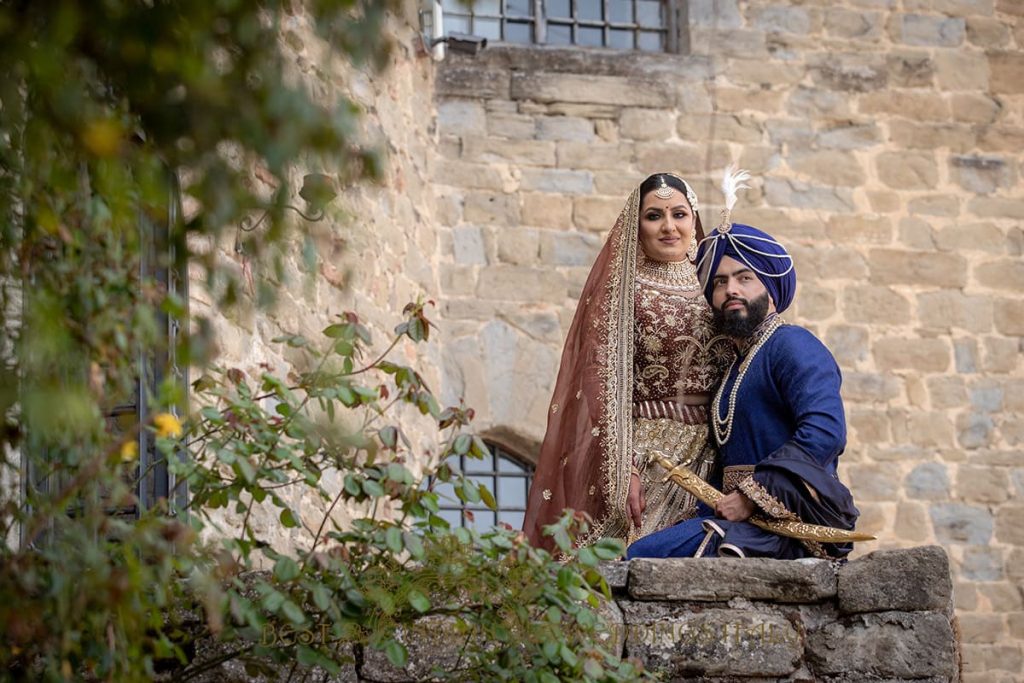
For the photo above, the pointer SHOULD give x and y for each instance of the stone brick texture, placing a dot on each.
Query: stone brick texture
(886, 140)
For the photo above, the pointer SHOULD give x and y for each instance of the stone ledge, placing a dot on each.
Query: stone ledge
(906, 580)
(719, 579)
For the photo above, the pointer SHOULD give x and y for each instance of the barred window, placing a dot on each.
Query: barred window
(647, 25)
(507, 476)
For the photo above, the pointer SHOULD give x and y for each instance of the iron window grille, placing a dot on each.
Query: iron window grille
(645, 25)
(507, 476)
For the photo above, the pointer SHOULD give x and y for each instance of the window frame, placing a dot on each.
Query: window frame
(675, 30)
(474, 471)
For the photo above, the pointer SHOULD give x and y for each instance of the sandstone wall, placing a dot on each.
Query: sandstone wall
(885, 137)
(374, 249)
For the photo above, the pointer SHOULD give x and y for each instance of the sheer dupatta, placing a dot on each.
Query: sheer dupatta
(586, 456)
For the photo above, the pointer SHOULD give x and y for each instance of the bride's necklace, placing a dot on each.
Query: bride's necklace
(723, 428)
(678, 276)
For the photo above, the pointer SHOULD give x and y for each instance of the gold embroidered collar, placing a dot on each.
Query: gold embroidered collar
(676, 276)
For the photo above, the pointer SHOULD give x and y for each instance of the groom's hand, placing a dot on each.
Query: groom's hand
(735, 507)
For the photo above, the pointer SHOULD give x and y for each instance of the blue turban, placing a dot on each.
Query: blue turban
(768, 259)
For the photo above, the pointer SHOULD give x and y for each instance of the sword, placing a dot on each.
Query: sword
(709, 495)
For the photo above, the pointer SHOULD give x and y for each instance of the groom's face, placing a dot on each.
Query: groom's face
(739, 299)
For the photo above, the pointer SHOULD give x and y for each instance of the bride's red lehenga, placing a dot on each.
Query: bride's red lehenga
(639, 353)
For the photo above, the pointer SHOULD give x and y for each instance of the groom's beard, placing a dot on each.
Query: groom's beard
(740, 323)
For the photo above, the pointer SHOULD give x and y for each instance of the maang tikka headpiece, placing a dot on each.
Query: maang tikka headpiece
(663, 192)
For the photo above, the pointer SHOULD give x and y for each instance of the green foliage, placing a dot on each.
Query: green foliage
(113, 115)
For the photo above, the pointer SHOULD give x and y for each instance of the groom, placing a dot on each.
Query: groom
(777, 417)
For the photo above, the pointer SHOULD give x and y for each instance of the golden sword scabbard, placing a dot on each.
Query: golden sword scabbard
(709, 495)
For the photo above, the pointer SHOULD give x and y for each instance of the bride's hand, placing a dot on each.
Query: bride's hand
(635, 502)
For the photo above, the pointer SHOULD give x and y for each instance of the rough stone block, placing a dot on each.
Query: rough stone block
(850, 72)
(871, 304)
(547, 210)
(432, 642)
(1010, 524)
(591, 89)
(950, 309)
(827, 167)
(987, 32)
(518, 246)
(850, 136)
(875, 481)
(924, 355)
(992, 659)
(646, 124)
(765, 73)
(717, 13)
(557, 180)
(1007, 72)
(594, 155)
(467, 175)
(907, 171)
(997, 207)
(910, 580)
(957, 523)
(912, 522)
(1001, 355)
(870, 426)
(459, 116)
(727, 127)
(517, 283)
(982, 175)
(908, 103)
(885, 646)
(713, 579)
(511, 125)
(983, 485)
(596, 213)
(798, 194)
(891, 266)
(468, 246)
(471, 80)
(982, 628)
(910, 69)
(910, 135)
(982, 564)
(808, 102)
(930, 30)
(487, 208)
(751, 98)
(490, 150)
(853, 25)
(816, 304)
(985, 237)
(975, 108)
(616, 573)
(928, 481)
(962, 70)
(1000, 138)
(782, 19)
(565, 128)
(1005, 274)
(860, 229)
(569, 248)
(678, 642)
(1009, 316)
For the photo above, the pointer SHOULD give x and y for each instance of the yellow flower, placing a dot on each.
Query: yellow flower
(167, 425)
(129, 451)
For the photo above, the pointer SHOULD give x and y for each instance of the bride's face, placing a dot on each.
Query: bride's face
(666, 226)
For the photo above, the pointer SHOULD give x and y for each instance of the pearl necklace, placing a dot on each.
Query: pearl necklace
(676, 276)
(723, 428)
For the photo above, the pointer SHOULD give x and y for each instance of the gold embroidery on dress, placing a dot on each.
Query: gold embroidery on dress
(547, 494)
(764, 500)
(733, 475)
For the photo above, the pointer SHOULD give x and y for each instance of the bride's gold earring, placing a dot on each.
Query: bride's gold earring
(691, 253)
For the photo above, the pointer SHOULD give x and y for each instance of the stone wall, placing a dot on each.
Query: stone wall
(885, 137)
(886, 616)
(375, 249)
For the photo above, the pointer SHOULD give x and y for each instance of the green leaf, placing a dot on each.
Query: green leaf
(470, 491)
(246, 470)
(286, 569)
(393, 539)
(487, 497)
(293, 612)
(373, 488)
(567, 655)
(336, 331)
(462, 444)
(396, 653)
(587, 557)
(419, 601)
(288, 519)
(413, 544)
(609, 548)
(321, 596)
